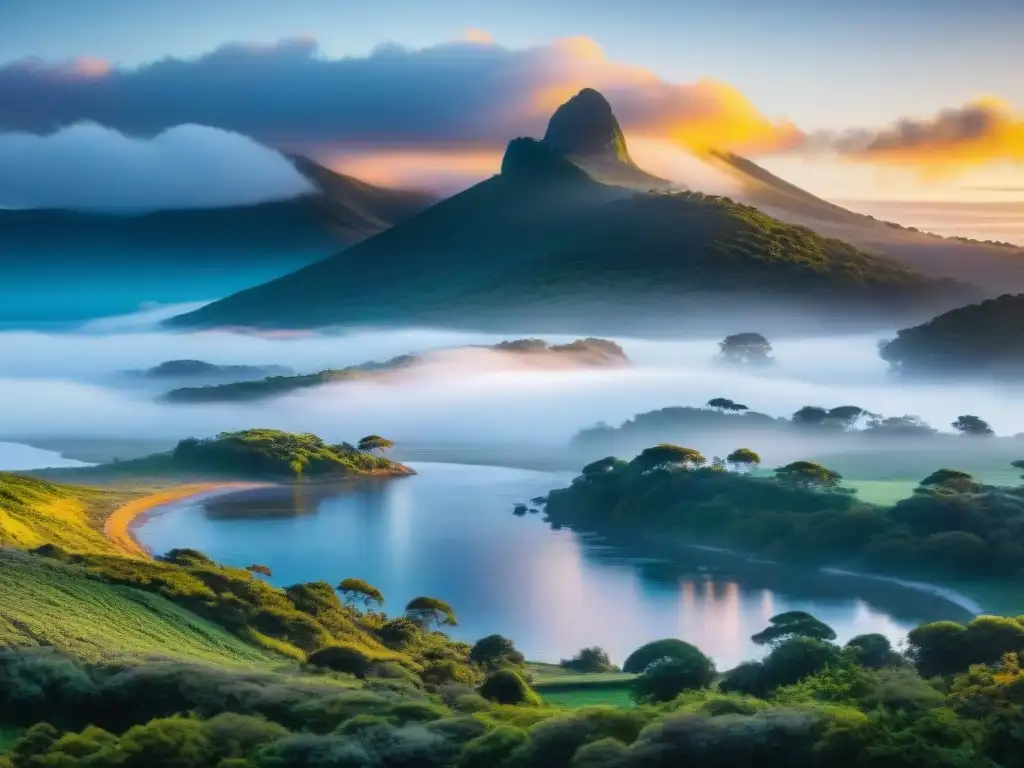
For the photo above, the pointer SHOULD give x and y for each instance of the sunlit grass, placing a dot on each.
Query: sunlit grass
(48, 603)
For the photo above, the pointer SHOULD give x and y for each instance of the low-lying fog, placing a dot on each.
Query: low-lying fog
(67, 385)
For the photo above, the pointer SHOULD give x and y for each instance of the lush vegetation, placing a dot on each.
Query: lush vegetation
(952, 701)
(263, 454)
(951, 525)
(44, 602)
(978, 340)
(35, 512)
(180, 661)
(583, 352)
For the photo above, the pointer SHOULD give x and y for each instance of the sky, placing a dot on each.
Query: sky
(909, 100)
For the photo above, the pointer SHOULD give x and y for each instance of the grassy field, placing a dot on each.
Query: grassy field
(35, 512)
(580, 689)
(48, 603)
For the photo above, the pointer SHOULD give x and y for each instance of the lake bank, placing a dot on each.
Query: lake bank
(121, 525)
(449, 532)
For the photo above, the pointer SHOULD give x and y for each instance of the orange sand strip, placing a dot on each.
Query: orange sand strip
(118, 527)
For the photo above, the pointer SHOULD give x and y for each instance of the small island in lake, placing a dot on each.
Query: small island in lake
(582, 353)
(256, 454)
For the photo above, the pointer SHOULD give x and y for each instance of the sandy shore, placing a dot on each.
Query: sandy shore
(119, 526)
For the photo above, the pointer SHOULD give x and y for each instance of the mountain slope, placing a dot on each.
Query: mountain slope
(545, 242)
(403, 274)
(992, 266)
(182, 255)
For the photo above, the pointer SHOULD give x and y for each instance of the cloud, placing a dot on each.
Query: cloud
(468, 94)
(979, 133)
(87, 166)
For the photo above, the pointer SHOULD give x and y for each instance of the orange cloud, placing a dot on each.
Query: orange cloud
(698, 116)
(981, 133)
(449, 170)
(480, 36)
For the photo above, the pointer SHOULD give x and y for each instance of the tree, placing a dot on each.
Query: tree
(666, 678)
(873, 651)
(354, 590)
(723, 404)
(937, 648)
(846, 415)
(972, 426)
(429, 611)
(667, 456)
(372, 443)
(1018, 464)
(668, 648)
(952, 480)
(744, 459)
(745, 349)
(810, 416)
(807, 474)
(260, 569)
(493, 651)
(602, 467)
(793, 624)
(589, 660)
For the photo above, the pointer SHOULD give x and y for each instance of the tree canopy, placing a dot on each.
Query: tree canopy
(793, 624)
(354, 590)
(973, 426)
(745, 349)
(808, 474)
(430, 611)
(668, 456)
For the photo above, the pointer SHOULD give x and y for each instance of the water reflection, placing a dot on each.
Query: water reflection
(449, 532)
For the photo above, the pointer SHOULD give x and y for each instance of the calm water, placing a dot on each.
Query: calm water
(15, 457)
(449, 532)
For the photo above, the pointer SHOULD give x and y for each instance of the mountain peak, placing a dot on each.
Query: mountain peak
(531, 159)
(585, 126)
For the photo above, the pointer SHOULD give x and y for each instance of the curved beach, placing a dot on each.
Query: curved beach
(118, 527)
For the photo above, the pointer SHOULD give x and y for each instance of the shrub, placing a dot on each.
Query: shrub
(506, 687)
(589, 660)
(494, 651)
(665, 679)
(342, 658)
(494, 749)
(669, 648)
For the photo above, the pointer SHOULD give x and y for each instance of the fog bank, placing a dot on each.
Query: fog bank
(67, 385)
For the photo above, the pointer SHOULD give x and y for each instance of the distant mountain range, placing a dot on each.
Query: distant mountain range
(993, 266)
(81, 264)
(550, 241)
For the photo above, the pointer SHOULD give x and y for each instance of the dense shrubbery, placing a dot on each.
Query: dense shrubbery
(808, 704)
(951, 523)
(302, 620)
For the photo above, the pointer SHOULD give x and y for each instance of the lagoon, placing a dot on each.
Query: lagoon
(449, 532)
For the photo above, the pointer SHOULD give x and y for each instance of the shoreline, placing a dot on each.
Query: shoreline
(951, 594)
(119, 527)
